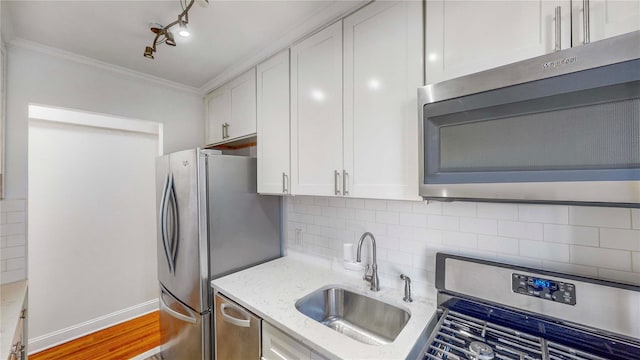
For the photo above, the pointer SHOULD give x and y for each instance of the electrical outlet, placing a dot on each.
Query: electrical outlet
(297, 239)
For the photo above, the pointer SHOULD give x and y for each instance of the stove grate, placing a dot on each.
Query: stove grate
(458, 336)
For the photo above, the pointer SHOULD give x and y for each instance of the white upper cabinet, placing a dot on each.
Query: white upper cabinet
(242, 91)
(382, 70)
(218, 105)
(463, 37)
(607, 18)
(316, 113)
(231, 110)
(273, 125)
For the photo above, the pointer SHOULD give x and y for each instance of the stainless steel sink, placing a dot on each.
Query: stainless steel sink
(357, 316)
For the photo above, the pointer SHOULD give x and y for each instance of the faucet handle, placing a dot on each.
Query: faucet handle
(366, 270)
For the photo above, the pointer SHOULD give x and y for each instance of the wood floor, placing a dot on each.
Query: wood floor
(122, 341)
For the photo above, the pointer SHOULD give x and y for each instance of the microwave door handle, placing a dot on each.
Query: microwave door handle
(558, 28)
(163, 222)
(190, 319)
(233, 320)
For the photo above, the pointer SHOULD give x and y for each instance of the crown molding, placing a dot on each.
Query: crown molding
(330, 14)
(67, 55)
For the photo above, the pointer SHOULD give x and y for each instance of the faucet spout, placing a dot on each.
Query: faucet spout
(373, 277)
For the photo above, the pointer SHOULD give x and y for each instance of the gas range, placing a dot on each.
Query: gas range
(490, 310)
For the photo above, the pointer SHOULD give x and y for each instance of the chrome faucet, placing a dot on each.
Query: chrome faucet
(373, 277)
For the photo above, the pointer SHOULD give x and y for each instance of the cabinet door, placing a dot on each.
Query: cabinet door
(316, 113)
(276, 345)
(273, 125)
(463, 37)
(607, 18)
(218, 105)
(242, 91)
(382, 70)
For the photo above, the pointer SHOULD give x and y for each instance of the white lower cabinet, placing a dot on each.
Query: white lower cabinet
(276, 345)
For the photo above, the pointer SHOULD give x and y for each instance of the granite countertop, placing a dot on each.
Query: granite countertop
(271, 290)
(13, 295)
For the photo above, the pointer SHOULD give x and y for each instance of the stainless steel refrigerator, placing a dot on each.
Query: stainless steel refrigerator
(211, 222)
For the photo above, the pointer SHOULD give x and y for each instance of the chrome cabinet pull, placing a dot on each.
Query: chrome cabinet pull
(285, 183)
(223, 127)
(558, 28)
(345, 182)
(336, 181)
(585, 21)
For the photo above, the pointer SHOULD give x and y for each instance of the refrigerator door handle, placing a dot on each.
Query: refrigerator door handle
(163, 221)
(175, 231)
(233, 320)
(190, 319)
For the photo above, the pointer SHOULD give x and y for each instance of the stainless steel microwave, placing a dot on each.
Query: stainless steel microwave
(560, 128)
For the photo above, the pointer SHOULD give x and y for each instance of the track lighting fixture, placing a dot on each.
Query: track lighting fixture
(164, 35)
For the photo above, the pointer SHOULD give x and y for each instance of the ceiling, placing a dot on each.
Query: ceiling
(117, 32)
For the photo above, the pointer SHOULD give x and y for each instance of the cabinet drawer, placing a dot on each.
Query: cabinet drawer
(276, 345)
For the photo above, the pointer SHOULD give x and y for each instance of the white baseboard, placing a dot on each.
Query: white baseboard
(61, 336)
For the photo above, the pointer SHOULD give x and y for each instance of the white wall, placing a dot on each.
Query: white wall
(92, 226)
(591, 241)
(41, 78)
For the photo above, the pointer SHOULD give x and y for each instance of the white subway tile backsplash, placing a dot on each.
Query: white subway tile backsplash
(13, 252)
(428, 207)
(16, 240)
(499, 244)
(13, 275)
(400, 206)
(459, 209)
(620, 239)
(337, 202)
(375, 204)
(635, 218)
(600, 216)
(11, 205)
(365, 215)
(443, 222)
(498, 211)
(412, 219)
(459, 239)
(15, 264)
(355, 203)
(619, 276)
(578, 240)
(3, 265)
(544, 250)
(606, 258)
(568, 234)
(321, 201)
(522, 230)
(551, 214)
(573, 269)
(13, 229)
(387, 217)
(479, 226)
(3, 218)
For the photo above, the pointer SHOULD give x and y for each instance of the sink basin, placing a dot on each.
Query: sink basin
(357, 316)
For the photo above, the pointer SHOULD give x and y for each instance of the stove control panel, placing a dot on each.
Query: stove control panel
(544, 288)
